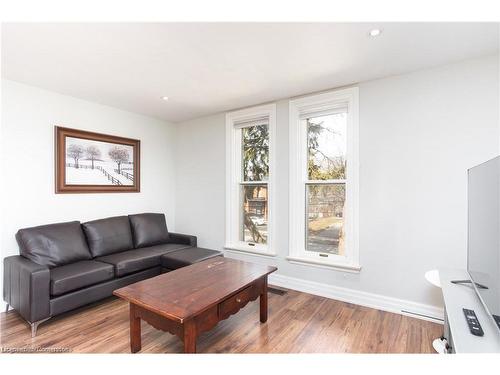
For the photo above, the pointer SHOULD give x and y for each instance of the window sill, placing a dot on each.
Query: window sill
(244, 250)
(346, 267)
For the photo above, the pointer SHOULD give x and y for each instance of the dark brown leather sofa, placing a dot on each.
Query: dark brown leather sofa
(68, 265)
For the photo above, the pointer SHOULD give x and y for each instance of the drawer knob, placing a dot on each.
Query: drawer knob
(238, 300)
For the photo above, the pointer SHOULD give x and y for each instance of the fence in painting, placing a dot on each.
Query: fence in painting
(80, 166)
(113, 180)
(125, 174)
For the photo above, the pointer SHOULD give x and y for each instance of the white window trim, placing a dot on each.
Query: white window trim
(232, 182)
(298, 176)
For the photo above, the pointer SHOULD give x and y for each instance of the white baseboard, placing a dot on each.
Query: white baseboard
(376, 301)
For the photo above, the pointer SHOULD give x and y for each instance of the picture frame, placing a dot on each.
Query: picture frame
(88, 162)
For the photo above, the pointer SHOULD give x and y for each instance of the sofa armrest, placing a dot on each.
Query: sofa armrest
(26, 287)
(185, 239)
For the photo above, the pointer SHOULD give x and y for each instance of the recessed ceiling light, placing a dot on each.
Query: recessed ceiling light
(164, 98)
(375, 32)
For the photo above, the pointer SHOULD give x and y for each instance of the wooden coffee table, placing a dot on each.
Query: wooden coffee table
(193, 299)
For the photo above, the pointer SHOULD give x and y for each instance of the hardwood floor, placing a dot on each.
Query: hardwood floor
(298, 323)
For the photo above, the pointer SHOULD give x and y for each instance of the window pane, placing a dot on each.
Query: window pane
(254, 213)
(255, 152)
(326, 143)
(325, 218)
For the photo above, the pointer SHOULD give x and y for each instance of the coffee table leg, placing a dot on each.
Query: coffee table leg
(263, 302)
(189, 337)
(135, 330)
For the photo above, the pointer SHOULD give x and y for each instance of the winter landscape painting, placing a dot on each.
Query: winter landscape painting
(93, 162)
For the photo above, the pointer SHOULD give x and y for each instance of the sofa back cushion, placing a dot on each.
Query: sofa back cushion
(149, 229)
(108, 236)
(54, 244)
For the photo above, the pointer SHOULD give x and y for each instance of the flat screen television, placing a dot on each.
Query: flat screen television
(483, 240)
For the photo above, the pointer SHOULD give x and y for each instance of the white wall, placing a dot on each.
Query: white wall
(419, 133)
(27, 154)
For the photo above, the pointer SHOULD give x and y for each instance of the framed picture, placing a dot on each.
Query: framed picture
(89, 162)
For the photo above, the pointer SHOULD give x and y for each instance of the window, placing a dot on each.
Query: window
(250, 161)
(324, 179)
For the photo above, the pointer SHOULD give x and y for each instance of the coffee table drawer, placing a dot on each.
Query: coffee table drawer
(234, 303)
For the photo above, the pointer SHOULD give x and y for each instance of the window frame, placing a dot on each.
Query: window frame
(234, 178)
(314, 105)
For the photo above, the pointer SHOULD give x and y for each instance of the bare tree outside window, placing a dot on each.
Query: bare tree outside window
(320, 165)
(119, 155)
(93, 153)
(75, 152)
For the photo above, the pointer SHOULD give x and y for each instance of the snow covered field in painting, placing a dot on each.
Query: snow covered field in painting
(87, 176)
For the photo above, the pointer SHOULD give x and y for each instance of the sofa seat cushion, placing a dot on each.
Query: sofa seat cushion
(64, 279)
(149, 229)
(186, 257)
(54, 245)
(108, 236)
(166, 248)
(131, 261)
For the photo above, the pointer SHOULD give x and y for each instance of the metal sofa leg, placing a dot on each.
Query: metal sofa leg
(7, 308)
(34, 326)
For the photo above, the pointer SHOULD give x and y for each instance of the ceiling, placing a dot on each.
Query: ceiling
(206, 68)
